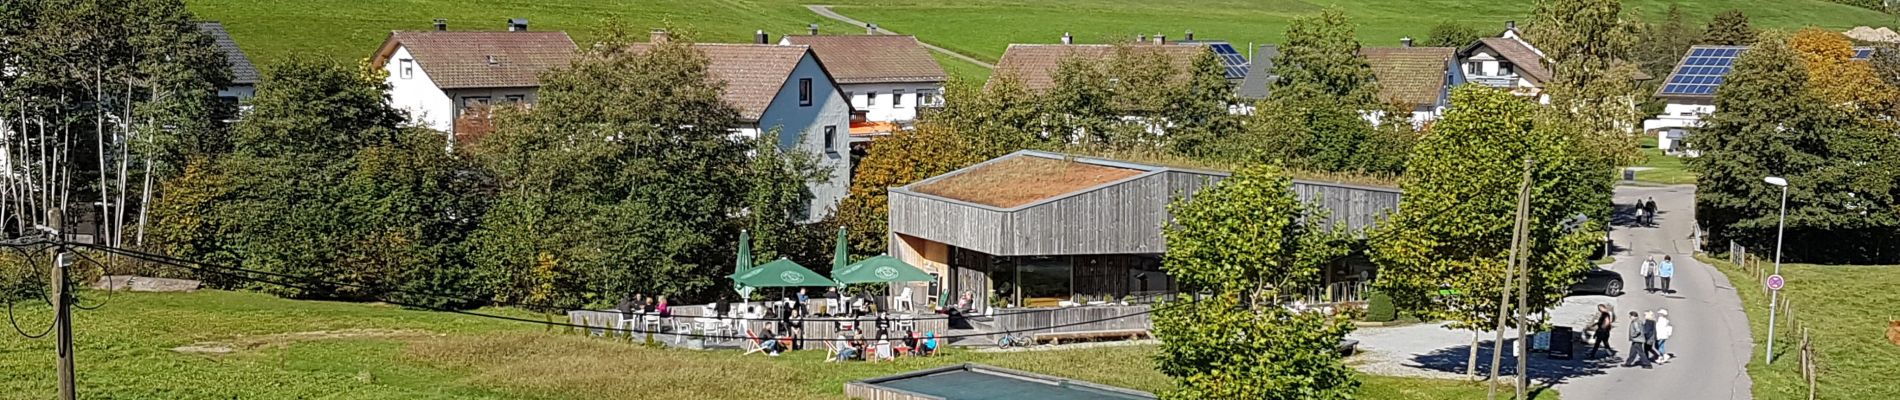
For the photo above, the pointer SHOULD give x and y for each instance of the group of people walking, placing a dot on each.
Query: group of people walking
(1649, 333)
(1646, 212)
(1658, 271)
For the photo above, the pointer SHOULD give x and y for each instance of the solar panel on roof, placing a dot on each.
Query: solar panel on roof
(1236, 64)
(1701, 72)
(1862, 53)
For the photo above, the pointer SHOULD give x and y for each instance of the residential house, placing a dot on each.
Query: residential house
(1506, 62)
(244, 75)
(1035, 65)
(1689, 93)
(438, 75)
(1037, 229)
(785, 90)
(1416, 77)
(888, 78)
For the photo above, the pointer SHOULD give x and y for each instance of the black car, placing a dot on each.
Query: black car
(1599, 281)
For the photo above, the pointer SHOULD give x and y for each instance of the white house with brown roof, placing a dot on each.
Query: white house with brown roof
(436, 75)
(1507, 62)
(1415, 77)
(887, 77)
(786, 90)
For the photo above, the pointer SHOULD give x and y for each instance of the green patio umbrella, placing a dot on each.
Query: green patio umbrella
(781, 273)
(744, 263)
(881, 269)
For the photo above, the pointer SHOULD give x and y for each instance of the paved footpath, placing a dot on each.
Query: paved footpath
(1711, 341)
(825, 11)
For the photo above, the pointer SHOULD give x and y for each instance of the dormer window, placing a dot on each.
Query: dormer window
(494, 61)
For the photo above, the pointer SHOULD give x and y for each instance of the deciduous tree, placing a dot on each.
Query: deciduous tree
(1443, 254)
(1251, 244)
(1729, 28)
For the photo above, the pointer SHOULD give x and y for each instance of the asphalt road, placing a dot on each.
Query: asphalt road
(1711, 340)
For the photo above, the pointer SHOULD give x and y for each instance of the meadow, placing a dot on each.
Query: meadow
(1845, 309)
(219, 344)
(351, 29)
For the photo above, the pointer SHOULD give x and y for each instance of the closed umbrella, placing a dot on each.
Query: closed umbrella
(838, 255)
(781, 273)
(743, 264)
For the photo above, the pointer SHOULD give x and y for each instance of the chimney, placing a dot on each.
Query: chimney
(518, 25)
(658, 36)
(761, 37)
(813, 28)
(1161, 39)
(441, 24)
(1141, 37)
(1405, 41)
(1067, 38)
(870, 29)
(1510, 25)
(1190, 35)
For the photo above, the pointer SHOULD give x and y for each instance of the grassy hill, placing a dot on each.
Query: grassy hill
(280, 349)
(1846, 309)
(351, 29)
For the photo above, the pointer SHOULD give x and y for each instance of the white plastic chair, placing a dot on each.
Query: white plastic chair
(903, 300)
(626, 322)
(651, 323)
(906, 322)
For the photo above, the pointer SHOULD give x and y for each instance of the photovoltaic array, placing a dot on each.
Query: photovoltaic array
(1703, 70)
(1235, 63)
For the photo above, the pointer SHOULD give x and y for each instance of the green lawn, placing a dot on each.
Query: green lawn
(351, 29)
(1846, 309)
(303, 349)
(1664, 169)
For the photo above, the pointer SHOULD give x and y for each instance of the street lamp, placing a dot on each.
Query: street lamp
(1774, 295)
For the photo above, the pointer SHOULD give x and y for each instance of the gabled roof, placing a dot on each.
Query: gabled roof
(1260, 74)
(753, 73)
(1704, 68)
(462, 60)
(1528, 62)
(1409, 75)
(873, 58)
(1036, 64)
(242, 72)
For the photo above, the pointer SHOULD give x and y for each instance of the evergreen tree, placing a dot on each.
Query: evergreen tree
(1729, 28)
(1769, 121)
(1443, 253)
(1663, 44)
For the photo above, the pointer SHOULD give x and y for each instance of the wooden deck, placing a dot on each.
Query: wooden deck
(678, 330)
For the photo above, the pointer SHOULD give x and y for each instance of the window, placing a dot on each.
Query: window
(929, 98)
(474, 101)
(831, 139)
(804, 92)
(515, 99)
(1504, 68)
(897, 98)
(408, 68)
(870, 99)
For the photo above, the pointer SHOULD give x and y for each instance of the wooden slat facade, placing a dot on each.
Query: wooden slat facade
(1123, 217)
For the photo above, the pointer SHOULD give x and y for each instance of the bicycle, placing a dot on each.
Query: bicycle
(1005, 340)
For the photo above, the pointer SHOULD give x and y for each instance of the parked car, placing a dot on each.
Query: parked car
(1599, 281)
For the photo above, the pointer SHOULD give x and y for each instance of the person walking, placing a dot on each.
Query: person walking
(1638, 354)
(1663, 331)
(1649, 208)
(1649, 274)
(1606, 317)
(1666, 271)
(1649, 337)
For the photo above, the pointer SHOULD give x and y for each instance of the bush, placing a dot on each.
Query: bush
(1379, 308)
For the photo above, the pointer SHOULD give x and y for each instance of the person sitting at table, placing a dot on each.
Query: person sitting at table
(661, 308)
(912, 341)
(647, 304)
(625, 306)
(832, 304)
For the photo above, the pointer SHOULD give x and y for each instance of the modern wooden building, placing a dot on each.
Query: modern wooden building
(1033, 229)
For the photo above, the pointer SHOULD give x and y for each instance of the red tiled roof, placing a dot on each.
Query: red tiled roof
(1035, 64)
(456, 60)
(873, 58)
(753, 73)
(1409, 75)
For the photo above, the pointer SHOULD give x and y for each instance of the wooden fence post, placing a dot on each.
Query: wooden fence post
(1808, 367)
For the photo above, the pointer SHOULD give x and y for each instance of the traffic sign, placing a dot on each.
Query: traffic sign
(1775, 282)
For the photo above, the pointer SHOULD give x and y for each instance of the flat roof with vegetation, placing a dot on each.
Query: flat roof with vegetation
(1017, 181)
(970, 381)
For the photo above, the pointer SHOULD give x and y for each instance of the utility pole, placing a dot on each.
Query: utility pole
(62, 307)
(1519, 237)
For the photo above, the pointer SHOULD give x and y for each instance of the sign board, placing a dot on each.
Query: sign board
(1775, 282)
